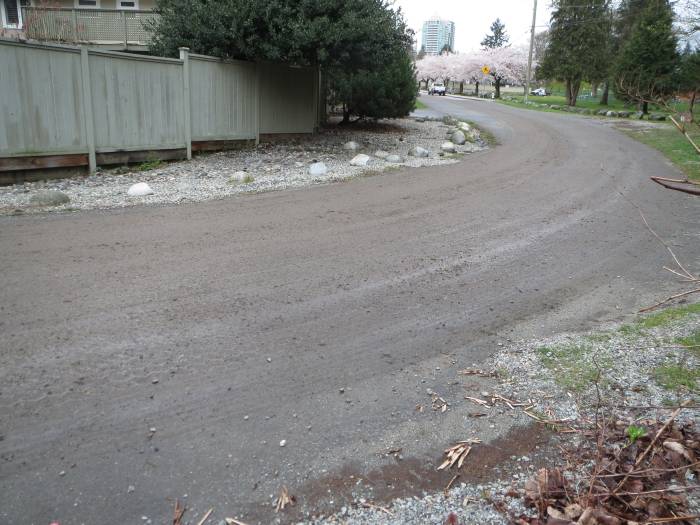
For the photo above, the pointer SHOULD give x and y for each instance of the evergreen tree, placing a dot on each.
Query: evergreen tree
(578, 44)
(689, 76)
(498, 36)
(648, 60)
(341, 37)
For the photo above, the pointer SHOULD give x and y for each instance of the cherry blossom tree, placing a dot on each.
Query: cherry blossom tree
(506, 64)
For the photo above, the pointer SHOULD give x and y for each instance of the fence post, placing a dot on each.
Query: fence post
(87, 108)
(126, 31)
(75, 25)
(257, 103)
(185, 57)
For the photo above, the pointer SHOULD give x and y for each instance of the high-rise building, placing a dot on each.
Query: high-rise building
(437, 34)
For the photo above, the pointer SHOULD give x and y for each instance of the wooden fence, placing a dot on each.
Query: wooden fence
(66, 106)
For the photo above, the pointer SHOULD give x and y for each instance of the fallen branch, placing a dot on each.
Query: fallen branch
(377, 507)
(179, 513)
(205, 517)
(692, 189)
(668, 300)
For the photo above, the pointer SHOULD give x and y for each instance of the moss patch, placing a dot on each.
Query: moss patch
(572, 366)
(677, 377)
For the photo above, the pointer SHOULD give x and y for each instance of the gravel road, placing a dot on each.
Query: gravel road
(163, 352)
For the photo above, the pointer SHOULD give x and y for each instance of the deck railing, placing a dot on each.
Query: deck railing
(89, 26)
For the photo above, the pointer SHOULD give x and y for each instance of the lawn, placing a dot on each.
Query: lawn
(419, 105)
(674, 146)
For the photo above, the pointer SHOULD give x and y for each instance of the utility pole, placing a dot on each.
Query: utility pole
(532, 46)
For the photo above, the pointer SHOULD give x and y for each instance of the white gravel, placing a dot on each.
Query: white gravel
(270, 166)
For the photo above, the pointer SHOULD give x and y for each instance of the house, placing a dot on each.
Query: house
(110, 24)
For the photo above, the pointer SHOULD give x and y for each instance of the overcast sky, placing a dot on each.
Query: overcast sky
(473, 18)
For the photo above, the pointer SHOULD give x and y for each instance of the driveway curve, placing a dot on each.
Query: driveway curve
(157, 353)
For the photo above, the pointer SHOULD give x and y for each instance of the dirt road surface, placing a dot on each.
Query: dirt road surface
(156, 353)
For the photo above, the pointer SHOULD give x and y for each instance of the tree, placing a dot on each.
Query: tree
(648, 61)
(421, 53)
(577, 49)
(344, 38)
(689, 76)
(498, 36)
(390, 92)
(506, 64)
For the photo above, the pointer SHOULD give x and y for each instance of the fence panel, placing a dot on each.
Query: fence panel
(52, 96)
(137, 103)
(222, 99)
(40, 101)
(287, 99)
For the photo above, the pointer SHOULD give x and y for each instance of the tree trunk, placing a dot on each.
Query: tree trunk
(461, 87)
(594, 89)
(572, 89)
(346, 115)
(691, 105)
(498, 87)
(645, 107)
(606, 94)
(476, 92)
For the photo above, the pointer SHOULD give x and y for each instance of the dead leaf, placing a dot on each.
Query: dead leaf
(231, 521)
(676, 447)
(284, 499)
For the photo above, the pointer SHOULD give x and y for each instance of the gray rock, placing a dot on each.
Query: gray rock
(394, 159)
(658, 117)
(317, 169)
(459, 138)
(602, 112)
(611, 114)
(419, 152)
(49, 198)
(351, 146)
(448, 147)
(360, 160)
(624, 114)
(381, 154)
(420, 119)
(464, 127)
(639, 115)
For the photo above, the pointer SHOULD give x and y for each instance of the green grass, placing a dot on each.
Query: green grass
(669, 315)
(676, 377)
(150, 165)
(674, 146)
(692, 341)
(571, 365)
(419, 105)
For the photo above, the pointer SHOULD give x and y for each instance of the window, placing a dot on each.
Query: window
(11, 14)
(87, 4)
(128, 4)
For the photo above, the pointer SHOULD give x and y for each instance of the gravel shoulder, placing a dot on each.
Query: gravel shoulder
(282, 164)
(563, 378)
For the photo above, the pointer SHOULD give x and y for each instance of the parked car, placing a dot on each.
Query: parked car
(539, 92)
(438, 88)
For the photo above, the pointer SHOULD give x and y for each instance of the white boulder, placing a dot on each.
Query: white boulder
(351, 146)
(419, 152)
(458, 137)
(464, 127)
(381, 154)
(140, 189)
(394, 159)
(448, 147)
(317, 169)
(360, 160)
(239, 176)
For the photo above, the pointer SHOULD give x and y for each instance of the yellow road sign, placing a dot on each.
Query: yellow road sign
(486, 70)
